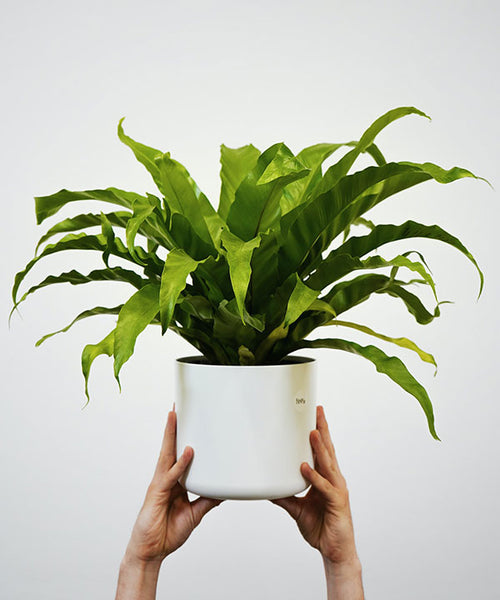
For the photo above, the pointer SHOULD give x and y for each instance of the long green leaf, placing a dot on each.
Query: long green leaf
(178, 265)
(79, 241)
(84, 221)
(348, 294)
(318, 215)
(391, 366)
(76, 278)
(336, 266)
(91, 352)
(46, 206)
(341, 168)
(384, 234)
(333, 211)
(312, 157)
(181, 197)
(256, 206)
(98, 310)
(297, 192)
(210, 348)
(300, 300)
(144, 154)
(399, 341)
(413, 303)
(197, 306)
(186, 238)
(229, 329)
(135, 315)
(239, 255)
(236, 163)
(142, 210)
(264, 271)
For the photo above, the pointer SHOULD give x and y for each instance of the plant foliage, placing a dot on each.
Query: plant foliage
(247, 283)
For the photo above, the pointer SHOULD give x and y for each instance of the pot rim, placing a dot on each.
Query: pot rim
(288, 361)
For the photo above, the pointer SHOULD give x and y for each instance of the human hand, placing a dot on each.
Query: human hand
(167, 517)
(323, 515)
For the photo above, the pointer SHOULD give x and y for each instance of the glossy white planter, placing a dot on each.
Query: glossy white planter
(248, 425)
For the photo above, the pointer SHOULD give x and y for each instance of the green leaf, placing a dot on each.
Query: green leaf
(98, 310)
(300, 300)
(264, 271)
(384, 234)
(336, 266)
(298, 192)
(324, 214)
(76, 278)
(183, 196)
(91, 352)
(206, 344)
(330, 213)
(239, 255)
(391, 366)
(84, 221)
(46, 206)
(236, 163)
(142, 210)
(186, 238)
(282, 165)
(400, 341)
(109, 235)
(348, 294)
(178, 265)
(79, 241)
(229, 328)
(197, 306)
(256, 206)
(412, 303)
(341, 168)
(144, 154)
(442, 175)
(135, 315)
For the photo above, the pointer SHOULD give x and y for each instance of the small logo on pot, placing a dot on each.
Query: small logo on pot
(300, 401)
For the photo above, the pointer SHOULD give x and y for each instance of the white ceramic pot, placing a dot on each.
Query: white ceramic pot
(249, 426)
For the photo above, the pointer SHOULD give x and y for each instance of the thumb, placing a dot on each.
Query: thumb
(290, 504)
(202, 505)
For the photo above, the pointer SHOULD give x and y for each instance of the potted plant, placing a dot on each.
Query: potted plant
(288, 250)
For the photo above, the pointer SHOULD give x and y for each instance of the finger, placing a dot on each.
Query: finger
(168, 451)
(324, 431)
(318, 482)
(323, 463)
(171, 477)
(292, 505)
(202, 505)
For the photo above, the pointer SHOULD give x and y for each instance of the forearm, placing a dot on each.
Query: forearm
(343, 582)
(137, 580)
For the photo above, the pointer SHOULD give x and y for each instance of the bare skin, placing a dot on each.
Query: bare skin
(324, 517)
(167, 518)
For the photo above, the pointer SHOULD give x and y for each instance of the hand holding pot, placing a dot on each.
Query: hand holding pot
(324, 515)
(165, 521)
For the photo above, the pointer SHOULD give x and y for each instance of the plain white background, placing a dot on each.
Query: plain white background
(188, 77)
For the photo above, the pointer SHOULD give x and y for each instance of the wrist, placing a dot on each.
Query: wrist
(132, 562)
(343, 579)
(345, 569)
(137, 579)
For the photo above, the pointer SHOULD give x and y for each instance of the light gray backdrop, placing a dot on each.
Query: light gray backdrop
(188, 77)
